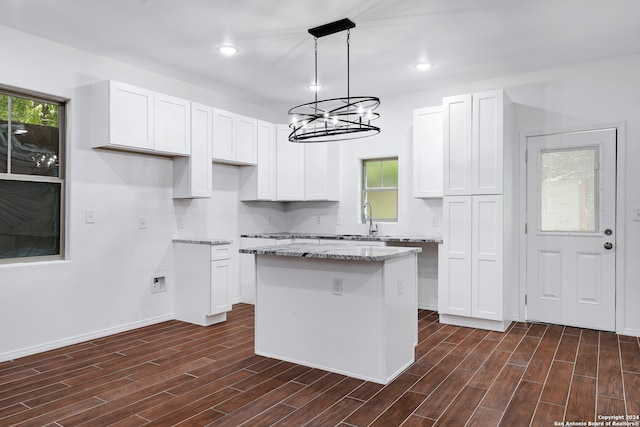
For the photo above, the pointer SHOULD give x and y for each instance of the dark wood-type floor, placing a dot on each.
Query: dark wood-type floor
(177, 373)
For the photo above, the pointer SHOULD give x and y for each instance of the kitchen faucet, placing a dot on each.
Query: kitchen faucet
(373, 228)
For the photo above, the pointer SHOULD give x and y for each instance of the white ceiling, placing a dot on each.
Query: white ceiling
(466, 40)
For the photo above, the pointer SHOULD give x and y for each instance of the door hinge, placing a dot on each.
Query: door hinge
(525, 300)
(525, 228)
(526, 156)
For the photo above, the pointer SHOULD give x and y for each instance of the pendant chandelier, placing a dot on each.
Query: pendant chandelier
(335, 119)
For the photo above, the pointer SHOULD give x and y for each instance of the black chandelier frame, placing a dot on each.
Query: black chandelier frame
(334, 119)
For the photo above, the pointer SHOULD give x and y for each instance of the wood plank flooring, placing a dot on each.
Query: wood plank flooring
(175, 373)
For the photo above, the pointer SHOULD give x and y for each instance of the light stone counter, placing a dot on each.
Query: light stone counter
(353, 237)
(337, 252)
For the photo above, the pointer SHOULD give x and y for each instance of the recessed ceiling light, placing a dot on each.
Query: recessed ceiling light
(314, 87)
(423, 66)
(228, 50)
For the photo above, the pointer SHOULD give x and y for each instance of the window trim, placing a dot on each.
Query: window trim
(364, 190)
(62, 103)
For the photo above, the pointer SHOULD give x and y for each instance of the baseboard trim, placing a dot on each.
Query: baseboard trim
(52, 345)
(432, 307)
(631, 332)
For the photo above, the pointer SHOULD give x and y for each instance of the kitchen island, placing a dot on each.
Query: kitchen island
(342, 308)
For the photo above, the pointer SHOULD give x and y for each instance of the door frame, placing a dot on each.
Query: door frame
(620, 219)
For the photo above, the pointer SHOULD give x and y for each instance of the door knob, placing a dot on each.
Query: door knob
(608, 245)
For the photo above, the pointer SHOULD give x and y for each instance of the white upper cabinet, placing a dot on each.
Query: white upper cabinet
(321, 171)
(487, 141)
(223, 123)
(259, 182)
(192, 176)
(457, 145)
(474, 131)
(306, 171)
(427, 152)
(172, 124)
(290, 166)
(122, 116)
(246, 139)
(130, 118)
(235, 138)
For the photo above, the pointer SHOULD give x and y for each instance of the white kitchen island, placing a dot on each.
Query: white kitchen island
(342, 308)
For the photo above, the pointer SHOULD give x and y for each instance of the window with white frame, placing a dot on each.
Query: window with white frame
(32, 188)
(380, 188)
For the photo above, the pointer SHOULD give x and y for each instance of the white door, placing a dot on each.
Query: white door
(571, 193)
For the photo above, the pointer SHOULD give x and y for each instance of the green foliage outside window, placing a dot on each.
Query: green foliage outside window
(28, 111)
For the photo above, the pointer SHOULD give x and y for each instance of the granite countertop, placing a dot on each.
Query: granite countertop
(203, 241)
(338, 252)
(361, 237)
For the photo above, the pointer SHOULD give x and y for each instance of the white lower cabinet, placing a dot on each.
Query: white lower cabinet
(202, 280)
(473, 284)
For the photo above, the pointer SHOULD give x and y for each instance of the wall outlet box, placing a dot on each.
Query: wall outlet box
(158, 284)
(90, 216)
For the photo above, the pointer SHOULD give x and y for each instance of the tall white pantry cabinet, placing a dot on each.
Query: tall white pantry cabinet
(478, 260)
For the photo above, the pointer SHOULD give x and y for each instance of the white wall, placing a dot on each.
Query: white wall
(104, 285)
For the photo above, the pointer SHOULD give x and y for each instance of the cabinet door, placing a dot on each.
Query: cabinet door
(192, 175)
(454, 271)
(220, 274)
(427, 152)
(172, 124)
(321, 171)
(223, 129)
(457, 145)
(246, 140)
(266, 167)
(487, 137)
(130, 116)
(487, 256)
(289, 167)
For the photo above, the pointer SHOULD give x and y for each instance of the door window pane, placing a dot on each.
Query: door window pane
(29, 218)
(568, 196)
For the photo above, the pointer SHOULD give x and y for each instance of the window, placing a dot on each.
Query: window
(380, 188)
(568, 190)
(31, 177)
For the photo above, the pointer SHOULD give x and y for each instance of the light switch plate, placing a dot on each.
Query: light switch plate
(636, 214)
(143, 222)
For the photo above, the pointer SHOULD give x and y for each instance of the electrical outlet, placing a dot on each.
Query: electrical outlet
(400, 286)
(337, 286)
(269, 220)
(158, 284)
(318, 219)
(90, 216)
(143, 222)
(181, 223)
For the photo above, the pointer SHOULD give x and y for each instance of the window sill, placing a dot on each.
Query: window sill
(19, 264)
